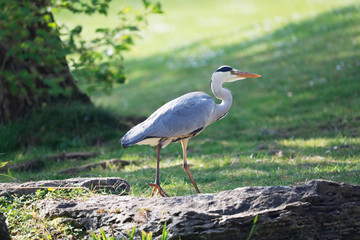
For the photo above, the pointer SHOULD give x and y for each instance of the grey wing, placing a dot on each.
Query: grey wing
(189, 114)
(177, 118)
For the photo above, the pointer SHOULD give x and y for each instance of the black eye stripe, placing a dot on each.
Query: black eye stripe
(224, 69)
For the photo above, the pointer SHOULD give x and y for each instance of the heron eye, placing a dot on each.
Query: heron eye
(224, 69)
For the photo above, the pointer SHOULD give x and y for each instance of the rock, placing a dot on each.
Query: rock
(318, 209)
(114, 184)
(4, 232)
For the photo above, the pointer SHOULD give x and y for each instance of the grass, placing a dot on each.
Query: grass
(23, 210)
(25, 222)
(144, 235)
(305, 107)
(60, 127)
(300, 121)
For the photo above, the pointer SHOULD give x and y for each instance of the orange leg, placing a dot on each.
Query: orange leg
(185, 164)
(156, 184)
(158, 188)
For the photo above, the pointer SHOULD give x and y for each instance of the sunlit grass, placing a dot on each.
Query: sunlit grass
(320, 142)
(216, 24)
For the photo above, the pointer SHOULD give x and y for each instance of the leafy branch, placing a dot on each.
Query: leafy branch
(30, 37)
(98, 62)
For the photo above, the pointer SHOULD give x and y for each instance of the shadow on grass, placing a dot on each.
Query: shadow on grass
(60, 127)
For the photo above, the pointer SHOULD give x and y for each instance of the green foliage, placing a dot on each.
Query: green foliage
(146, 236)
(131, 233)
(31, 36)
(98, 62)
(165, 233)
(5, 175)
(24, 221)
(3, 164)
(32, 46)
(102, 236)
(300, 121)
(253, 228)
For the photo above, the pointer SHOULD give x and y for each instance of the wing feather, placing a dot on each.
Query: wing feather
(176, 118)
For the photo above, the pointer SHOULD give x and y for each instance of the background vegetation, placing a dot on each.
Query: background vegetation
(298, 122)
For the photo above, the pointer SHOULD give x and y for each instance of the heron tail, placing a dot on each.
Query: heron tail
(129, 139)
(125, 143)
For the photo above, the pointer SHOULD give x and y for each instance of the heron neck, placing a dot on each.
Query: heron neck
(225, 96)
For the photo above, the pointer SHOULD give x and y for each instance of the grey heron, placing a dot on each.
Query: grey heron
(184, 118)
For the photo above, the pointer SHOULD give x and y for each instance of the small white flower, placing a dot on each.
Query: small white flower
(110, 51)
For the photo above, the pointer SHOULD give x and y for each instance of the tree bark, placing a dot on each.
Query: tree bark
(25, 73)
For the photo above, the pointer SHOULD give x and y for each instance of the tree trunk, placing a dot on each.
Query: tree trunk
(33, 68)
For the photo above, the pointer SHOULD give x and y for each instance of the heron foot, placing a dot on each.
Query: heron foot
(158, 188)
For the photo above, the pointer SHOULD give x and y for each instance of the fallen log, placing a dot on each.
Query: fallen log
(318, 209)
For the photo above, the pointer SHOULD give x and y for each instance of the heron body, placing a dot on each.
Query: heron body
(181, 118)
(184, 118)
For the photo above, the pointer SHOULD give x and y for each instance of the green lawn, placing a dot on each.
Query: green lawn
(300, 121)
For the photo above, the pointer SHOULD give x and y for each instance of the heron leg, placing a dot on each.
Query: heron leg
(156, 184)
(186, 165)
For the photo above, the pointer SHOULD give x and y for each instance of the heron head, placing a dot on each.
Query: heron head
(229, 74)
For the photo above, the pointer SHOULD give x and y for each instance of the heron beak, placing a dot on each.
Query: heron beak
(247, 75)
